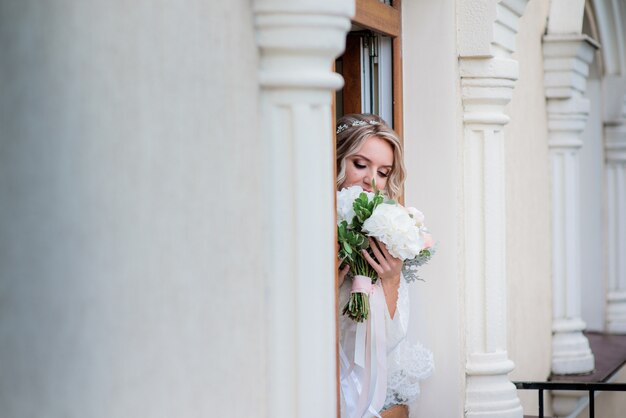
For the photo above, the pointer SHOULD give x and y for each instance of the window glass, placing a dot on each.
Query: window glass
(367, 68)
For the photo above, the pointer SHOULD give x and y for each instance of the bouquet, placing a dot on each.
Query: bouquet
(363, 214)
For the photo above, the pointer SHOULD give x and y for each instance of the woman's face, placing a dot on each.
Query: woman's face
(374, 160)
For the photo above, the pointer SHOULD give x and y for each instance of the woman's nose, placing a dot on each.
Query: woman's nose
(367, 178)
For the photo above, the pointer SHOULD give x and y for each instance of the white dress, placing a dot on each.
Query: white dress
(407, 363)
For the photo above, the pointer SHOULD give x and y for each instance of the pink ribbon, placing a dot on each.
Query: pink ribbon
(362, 284)
(368, 383)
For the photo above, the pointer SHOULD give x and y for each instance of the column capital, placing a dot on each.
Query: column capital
(615, 141)
(297, 40)
(496, 68)
(567, 119)
(488, 27)
(486, 88)
(566, 64)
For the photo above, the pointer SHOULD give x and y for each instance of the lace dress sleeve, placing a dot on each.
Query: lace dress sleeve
(407, 363)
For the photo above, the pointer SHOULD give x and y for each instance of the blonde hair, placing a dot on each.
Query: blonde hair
(352, 132)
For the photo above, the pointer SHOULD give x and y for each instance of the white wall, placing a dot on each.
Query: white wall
(608, 404)
(131, 245)
(528, 211)
(432, 133)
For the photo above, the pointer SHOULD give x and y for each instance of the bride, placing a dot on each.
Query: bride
(368, 149)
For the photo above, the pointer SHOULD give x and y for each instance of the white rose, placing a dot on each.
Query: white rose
(345, 202)
(417, 216)
(392, 225)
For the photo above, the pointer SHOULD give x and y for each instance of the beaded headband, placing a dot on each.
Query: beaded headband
(345, 126)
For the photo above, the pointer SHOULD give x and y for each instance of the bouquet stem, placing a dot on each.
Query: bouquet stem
(358, 306)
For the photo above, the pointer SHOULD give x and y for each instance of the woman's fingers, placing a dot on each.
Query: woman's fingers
(389, 266)
(385, 251)
(382, 259)
(344, 271)
(377, 268)
(342, 274)
(392, 261)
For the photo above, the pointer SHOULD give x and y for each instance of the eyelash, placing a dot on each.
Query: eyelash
(380, 173)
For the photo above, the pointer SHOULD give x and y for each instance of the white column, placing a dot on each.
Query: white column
(566, 63)
(488, 76)
(487, 86)
(615, 151)
(298, 42)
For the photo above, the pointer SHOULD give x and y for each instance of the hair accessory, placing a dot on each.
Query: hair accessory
(345, 126)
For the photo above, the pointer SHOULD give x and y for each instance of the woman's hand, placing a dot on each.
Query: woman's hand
(387, 266)
(341, 274)
(388, 269)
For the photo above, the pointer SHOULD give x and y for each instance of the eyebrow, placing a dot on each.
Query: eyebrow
(369, 161)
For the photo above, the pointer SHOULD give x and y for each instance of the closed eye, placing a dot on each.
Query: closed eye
(359, 165)
(383, 174)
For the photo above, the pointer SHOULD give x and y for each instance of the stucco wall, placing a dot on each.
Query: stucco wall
(432, 133)
(528, 211)
(130, 250)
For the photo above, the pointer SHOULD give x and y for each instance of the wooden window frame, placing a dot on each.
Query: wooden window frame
(387, 20)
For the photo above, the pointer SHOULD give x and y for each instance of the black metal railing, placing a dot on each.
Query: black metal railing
(591, 388)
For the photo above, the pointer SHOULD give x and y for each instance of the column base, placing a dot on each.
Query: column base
(616, 313)
(489, 392)
(571, 353)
